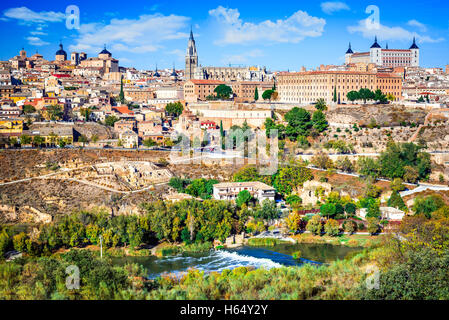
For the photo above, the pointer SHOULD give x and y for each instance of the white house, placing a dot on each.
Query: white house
(230, 190)
(129, 139)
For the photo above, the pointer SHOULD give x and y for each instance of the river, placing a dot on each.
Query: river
(258, 257)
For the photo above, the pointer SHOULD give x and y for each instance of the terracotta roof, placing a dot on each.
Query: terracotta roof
(206, 81)
(123, 110)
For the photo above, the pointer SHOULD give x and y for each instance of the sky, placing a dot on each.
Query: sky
(281, 35)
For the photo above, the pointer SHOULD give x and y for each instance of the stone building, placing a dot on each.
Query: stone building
(230, 190)
(307, 87)
(195, 71)
(385, 57)
(313, 190)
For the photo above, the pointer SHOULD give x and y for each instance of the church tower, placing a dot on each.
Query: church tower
(191, 58)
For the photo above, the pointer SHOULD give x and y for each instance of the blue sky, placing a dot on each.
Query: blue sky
(281, 35)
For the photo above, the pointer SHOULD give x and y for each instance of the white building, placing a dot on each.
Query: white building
(129, 139)
(385, 57)
(230, 190)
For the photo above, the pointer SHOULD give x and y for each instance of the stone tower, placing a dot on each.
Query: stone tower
(191, 58)
(376, 53)
(415, 54)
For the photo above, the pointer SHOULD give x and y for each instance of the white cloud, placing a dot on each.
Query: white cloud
(178, 53)
(36, 41)
(419, 25)
(38, 33)
(244, 57)
(291, 30)
(389, 33)
(331, 7)
(29, 16)
(142, 35)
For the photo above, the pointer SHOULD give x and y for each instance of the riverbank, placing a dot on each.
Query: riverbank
(354, 240)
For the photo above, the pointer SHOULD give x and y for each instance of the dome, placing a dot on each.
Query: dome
(61, 51)
(105, 51)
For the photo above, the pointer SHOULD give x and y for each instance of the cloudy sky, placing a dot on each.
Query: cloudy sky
(281, 35)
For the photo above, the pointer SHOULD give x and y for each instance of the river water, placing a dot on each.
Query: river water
(258, 257)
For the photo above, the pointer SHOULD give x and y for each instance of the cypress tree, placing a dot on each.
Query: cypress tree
(122, 94)
(335, 94)
(396, 201)
(256, 95)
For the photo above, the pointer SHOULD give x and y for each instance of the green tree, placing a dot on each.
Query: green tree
(174, 109)
(83, 139)
(5, 243)
(331, 228)
(427, 205)
(256, 95)
(290, 178)
(268, 94)
(299, 123)
(111, 120)
(244, 197)
(379, 96)
(319, 121)
(350, 208)
(27, 109)
(368, 167)
(335, 95)
(38, 141)
(373, 225)
(314, 225)
(149, 143)
(54, 112)
(19, 241)
(396, 201)
(223, 91)
(350, 226)
(328, 210)
(321, 105)
(25, 139)
(122, 93)
(353, 96)
(268, 210)
(366, 94)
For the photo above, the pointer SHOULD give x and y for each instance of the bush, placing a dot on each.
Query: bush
(314, 225)
(331, 228)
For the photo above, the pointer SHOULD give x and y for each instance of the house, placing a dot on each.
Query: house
(387, 213)
(230, 190)
(129, 139)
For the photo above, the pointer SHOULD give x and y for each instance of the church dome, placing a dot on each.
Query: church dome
(105, 51)
(61, 51)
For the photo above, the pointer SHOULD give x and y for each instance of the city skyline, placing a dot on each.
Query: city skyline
(283, 38)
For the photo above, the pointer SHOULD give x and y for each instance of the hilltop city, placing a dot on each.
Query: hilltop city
(342, 165)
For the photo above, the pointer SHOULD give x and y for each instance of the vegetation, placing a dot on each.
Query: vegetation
(174, 109)
(223, 92)
(111, 120)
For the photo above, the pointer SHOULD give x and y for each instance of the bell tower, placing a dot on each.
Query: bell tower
(191, 58)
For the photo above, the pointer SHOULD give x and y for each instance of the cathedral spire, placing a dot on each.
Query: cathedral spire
(191, 34)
